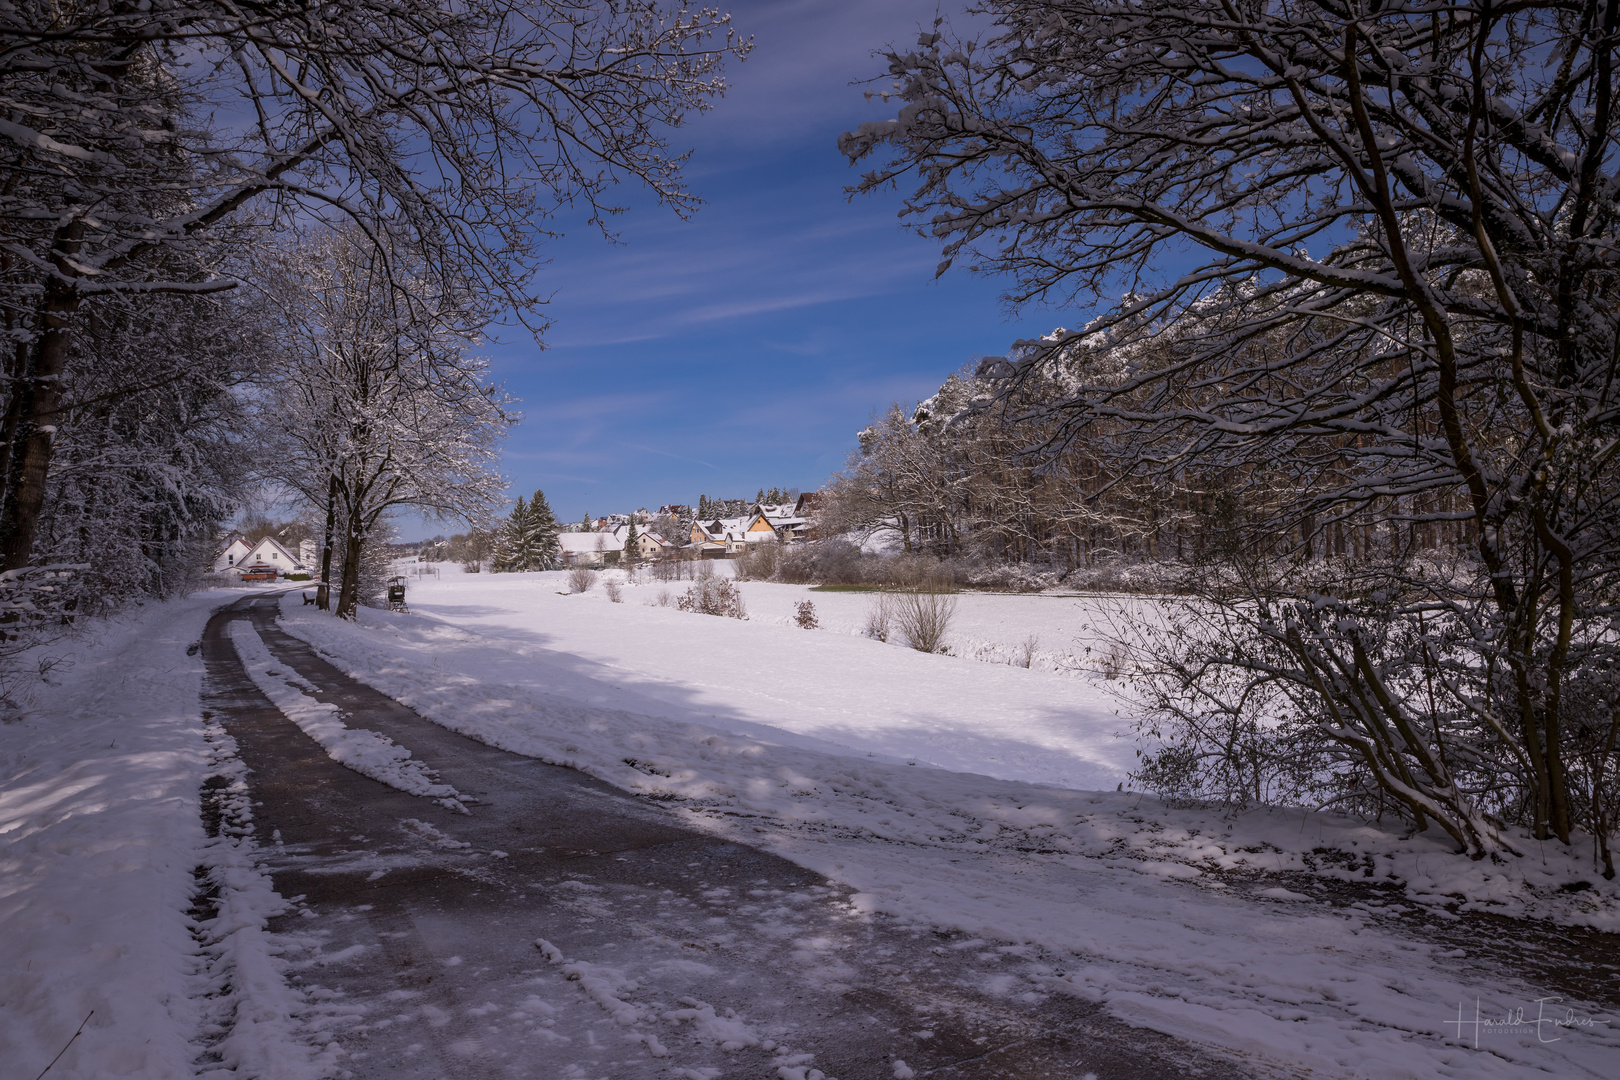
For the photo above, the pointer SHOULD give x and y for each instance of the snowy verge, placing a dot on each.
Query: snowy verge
(366, 752)
(115, 904)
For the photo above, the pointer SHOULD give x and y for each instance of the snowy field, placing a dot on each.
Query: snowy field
(1054, 723)
(948, 791)
(981, 797)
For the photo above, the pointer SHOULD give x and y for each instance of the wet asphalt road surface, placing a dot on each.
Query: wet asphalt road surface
(413, 929)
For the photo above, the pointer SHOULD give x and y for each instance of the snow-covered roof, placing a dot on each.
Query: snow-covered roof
(258, 550)
(716, 528)
(586, 541)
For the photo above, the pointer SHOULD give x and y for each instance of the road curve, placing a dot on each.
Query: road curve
(665, 952)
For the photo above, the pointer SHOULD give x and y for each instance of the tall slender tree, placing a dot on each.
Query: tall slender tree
(376, 405)
(632, 542)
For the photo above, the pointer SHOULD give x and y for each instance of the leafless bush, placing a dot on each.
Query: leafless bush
(1114, 664)
(1026, 651)
(758, 563)
(714, 596)
(879, 617)
(668, 568)
(804, 614)
(665, 598)
(923, 614)
(615, 591)
(581, 578)
(703, 571)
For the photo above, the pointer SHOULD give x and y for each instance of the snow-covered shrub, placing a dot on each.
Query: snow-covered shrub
(36, 605)
(1013, 577)
(714, 596)
(1027, 650)
(703, 571)
(615, 591)
(758, 563)
(665, 598)
(830, 562)
(879, 617)
(923, 614)
(581, 578)
(804, 614)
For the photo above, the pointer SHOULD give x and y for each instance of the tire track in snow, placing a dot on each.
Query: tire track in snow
(366, 752)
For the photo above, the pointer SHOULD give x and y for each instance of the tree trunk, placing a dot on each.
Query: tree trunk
(38, 402)
(323, 592)
(353, 545)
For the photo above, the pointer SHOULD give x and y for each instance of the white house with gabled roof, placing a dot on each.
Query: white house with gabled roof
(238, 556)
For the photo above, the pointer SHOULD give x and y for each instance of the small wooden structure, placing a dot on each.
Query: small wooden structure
(396, 595)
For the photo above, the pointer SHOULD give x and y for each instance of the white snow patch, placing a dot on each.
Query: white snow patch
(366, 752)
(729, 1031)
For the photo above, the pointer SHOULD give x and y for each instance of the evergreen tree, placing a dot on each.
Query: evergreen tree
(585, 522)
(528, 539)
(540, 548)
(703, 507)
(506, 558)
(632, 549)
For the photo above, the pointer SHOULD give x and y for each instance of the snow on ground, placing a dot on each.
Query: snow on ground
(766, 676)
(366, 752)
(100, 836)
(799, 741)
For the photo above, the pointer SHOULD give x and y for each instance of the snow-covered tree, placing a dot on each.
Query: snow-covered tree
(528, 538)
(632, 546)
(136, 135)
(1382, 241)
(378, 403)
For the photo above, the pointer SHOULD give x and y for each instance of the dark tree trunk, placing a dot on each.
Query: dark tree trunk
(323, 592)
(37, 402)
(349, 593)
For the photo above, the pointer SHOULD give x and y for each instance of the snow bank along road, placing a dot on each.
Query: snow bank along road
(520, 919)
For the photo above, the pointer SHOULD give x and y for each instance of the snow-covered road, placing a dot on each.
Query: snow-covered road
(556, 927)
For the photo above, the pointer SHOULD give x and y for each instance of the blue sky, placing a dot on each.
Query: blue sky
(745, 347)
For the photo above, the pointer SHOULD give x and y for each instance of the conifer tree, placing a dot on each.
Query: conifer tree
(632, 549)
(585, 522)
(541, 549)
(506, 557)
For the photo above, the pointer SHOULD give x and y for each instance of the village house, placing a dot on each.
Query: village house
(607, 546)
(721, 538)
(240, 557)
